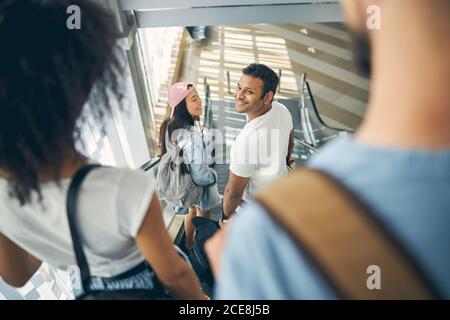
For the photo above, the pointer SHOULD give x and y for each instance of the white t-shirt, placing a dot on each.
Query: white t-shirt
(259, 151)
(112, 205)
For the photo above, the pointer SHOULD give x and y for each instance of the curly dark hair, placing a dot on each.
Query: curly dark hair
(47, 74)
(267, 75)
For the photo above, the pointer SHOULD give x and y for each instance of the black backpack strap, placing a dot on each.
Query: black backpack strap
(342, 237)
(72, 198)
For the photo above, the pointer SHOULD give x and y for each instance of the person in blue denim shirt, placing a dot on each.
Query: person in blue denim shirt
(398, 163)
(181, 126)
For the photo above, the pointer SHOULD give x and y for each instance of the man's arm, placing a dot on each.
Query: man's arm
(157, 248)
(16, 265)
(290, 147)
(233, 193)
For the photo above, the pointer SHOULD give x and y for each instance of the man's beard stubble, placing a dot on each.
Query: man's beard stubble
(362, 53)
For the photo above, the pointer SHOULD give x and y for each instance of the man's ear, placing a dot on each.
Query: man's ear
(268, 97)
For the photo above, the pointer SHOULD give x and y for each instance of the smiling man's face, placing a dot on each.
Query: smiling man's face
(249, 94)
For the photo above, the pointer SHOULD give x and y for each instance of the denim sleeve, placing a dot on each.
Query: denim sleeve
(261, 262)
(200, 173)
(202, 176)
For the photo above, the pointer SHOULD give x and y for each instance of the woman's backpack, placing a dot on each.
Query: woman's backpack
(157, 292)
(175, 183)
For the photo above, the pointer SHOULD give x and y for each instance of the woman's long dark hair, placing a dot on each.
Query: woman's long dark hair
(181, 119)
(47, 73)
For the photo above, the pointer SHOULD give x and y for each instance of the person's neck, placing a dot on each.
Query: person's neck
(409, 105)
(253, 115)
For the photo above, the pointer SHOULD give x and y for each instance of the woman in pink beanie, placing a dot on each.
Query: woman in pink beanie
(186, 109)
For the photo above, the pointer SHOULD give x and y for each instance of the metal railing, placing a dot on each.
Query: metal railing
(316, 111)
(307, 145)
(315, 134)
(150, 164)
(208, 105)
(305, 119)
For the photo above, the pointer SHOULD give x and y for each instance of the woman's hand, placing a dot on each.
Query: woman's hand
(16, 265)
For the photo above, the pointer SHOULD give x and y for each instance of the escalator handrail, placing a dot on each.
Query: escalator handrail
(206, 119)
(150, 164)
(304, 113)
(316, 111)
(307, 145)
(302, 92)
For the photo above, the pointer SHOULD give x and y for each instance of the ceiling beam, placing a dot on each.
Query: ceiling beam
(240, 14)
(184, 4)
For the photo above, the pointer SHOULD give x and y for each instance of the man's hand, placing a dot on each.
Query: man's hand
(223, 222)
(223, 219)
(291, 164)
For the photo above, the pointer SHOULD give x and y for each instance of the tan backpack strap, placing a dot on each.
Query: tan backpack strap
(342, 238)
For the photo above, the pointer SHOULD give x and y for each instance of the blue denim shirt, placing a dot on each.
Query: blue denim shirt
(409, 192)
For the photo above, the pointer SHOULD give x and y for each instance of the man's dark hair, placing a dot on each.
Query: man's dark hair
(267, 75)
(47, 74)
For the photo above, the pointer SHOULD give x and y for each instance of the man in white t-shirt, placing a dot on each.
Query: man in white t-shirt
(261, 152)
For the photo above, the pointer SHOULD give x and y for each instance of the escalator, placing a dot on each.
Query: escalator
(310, 130)
(311, 133)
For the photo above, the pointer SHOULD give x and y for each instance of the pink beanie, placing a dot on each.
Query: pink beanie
(179, 91)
